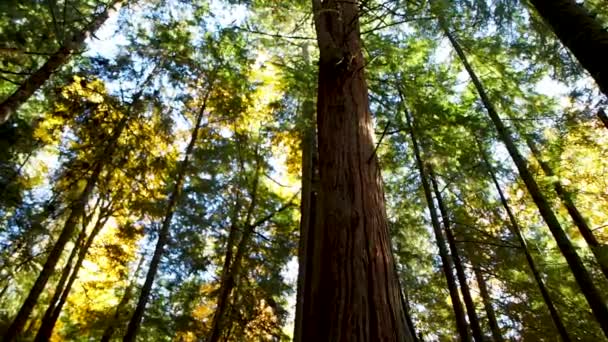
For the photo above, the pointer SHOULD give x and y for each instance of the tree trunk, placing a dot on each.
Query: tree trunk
(354, 293)
(516, 230)
(579, 32)
(446, 260)
(76, 212)
(566, 198)
(601, 114)
(462, 277)
(116, 319)
(62, 281)
(592, 294)
(55, 61)
(164, 233)
(48, 323)
(487, 304)
(307, 211)
(232, 265)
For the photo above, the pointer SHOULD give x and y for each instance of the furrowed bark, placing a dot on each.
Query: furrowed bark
(516, 230)
(354, 292)
(446, 260)
(583, 35)
(566, 198)
(462, 277)
(164, 232)
(582, 276)
(55, 61)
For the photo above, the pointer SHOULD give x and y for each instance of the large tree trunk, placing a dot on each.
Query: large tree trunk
(582, 276)
(354, 292)
(446, 260)
(566, 198)
(55, 61)
(120, 308)
(581, 33)
(487, 304)
(53, 312)
(516, 230)
(462, 277)
(164, 232)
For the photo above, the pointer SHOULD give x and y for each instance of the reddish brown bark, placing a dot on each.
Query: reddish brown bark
(354, 293)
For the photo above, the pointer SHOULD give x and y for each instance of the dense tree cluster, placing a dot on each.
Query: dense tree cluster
(208, 170)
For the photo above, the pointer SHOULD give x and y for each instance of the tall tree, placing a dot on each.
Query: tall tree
(487, 304)
(460, 273)
(164, 232)
(446, 259)
(516, 230)
(598, 249)
(76, 212)
(55, 61)
(580, 32)
(582, 276)
(354, 292)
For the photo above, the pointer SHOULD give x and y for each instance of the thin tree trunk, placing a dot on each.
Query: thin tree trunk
(76, 212)
(592, 294)
(446, 260)
(116, 319)
(487, 304)
(62, 281)
(48, 324)
(601, 114)
(579, 32)
(164, 233)
(354, 289)
(307, 211)
(516, 230)
(232, 265)
(55, 61)
(566, 198)
(460, 273)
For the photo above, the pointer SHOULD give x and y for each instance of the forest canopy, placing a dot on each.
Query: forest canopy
(323, 170)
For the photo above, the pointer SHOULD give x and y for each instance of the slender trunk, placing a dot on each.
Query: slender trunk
(406, 308)
(566, 198)
(126, 297)
(62, 281)
(48, 324)
(55, 61)
(76, 211)
(601, 114)
(164, 233)
(307, 211)
(446, 260)
(516, 230)
(354, 289)
(582, 276)
(579, 32)
(232, 265)
(487, 304)
(460, 273)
